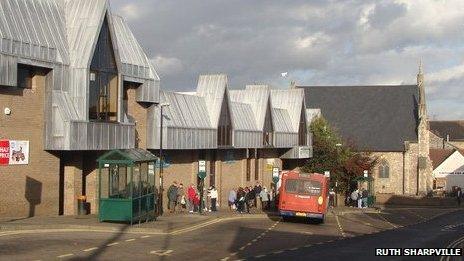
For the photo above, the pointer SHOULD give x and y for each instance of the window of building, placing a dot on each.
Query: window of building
(384, 169)
(267, 132)
(225, 126)
(103, 79)
(302, 131)
(25, 75)
(248, 169)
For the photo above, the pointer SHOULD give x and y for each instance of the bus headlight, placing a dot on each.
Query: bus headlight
(320, 200)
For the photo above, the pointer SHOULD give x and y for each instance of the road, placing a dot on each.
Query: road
(349, 234)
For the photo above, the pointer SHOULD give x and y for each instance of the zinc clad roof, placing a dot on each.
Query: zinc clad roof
(281, 120)
(33, 29)
(243, 117)
(290, 100)
(212, 88)
(374, 118)
(83, 20)
(185, 111)
(257, 96)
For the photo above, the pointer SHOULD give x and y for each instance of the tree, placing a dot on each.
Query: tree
(330, 154)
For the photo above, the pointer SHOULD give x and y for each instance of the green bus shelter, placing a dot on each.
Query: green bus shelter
(370, 188)
(126, 185)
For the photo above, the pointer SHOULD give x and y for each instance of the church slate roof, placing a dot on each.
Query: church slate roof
(373, 118)
(455, 129)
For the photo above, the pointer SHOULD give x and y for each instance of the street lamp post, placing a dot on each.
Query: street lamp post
(161, 105)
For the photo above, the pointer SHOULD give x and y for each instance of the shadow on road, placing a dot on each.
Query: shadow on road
(103, 247)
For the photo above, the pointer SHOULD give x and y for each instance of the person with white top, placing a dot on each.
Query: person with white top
(214, 196)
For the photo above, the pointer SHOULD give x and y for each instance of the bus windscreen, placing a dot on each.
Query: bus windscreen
(303, 187)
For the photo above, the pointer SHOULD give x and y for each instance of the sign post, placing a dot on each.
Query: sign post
(275, 175)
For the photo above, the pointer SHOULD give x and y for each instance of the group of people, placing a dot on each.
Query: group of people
(358, 198)
(190, 199)
(243, 199)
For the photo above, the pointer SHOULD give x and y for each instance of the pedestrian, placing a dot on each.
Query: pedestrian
(191, 197)
(206, 200)
(181, 202)
(172, 197)
(232, 198)
(214, 196)
(264, 198)
(354, 197)
(331, 197)
(458, 196)
(196, 202)
(249, 198)
(256, 191)
(359, 198)
(240, 200)
(364, 196)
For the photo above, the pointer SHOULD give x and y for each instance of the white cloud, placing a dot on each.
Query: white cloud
(312, 40)
(167, 65)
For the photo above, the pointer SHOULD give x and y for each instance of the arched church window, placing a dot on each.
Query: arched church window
(384, 169)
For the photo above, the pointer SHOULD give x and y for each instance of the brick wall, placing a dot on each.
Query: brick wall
(31, 189)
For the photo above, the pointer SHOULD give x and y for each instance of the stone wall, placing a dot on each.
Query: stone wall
(394, 183)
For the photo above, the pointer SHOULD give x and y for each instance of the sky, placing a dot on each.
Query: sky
(318, 42)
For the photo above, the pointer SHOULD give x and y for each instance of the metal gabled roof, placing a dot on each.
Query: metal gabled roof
(130, 51)
(282, 122)
(33, 29)
(185, 111)
(243, 117)
(291, 100)
(257, 96)
(213, 88)
(83, 21)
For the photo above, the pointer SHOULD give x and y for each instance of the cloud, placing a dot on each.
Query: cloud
(332, 42)
(167, 66)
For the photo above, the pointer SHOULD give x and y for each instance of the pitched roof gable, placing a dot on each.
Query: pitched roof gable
(374, 118)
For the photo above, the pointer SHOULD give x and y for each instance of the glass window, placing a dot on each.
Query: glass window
(303, 187)
(248, 169)
(136, 181)
(384, 169)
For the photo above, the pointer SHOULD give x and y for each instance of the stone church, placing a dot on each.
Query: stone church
(388, 121)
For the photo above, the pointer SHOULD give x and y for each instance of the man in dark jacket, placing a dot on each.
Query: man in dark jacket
(172, 196)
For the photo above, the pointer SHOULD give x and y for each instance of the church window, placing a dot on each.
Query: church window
(384, 169)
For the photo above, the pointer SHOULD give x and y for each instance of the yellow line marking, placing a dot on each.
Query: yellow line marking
(260, 256)
(340, 226)
(130, 239)
(112, 244)
(90, 249)
(249, 244)
(242, 248)
(65, 255)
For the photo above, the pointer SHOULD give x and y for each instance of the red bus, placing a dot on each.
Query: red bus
(303, 195)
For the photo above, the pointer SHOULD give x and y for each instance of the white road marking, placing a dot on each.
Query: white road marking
(278, 252)
(293, 249)
(241, 248)
(225, 258)
(146, 236)
(65, 255)
(90, 249)
(249, 244)
(112, 244)
(162, 252)
(130, 239)
(260, 256)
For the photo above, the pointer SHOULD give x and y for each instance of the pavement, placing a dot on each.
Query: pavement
(354, 233)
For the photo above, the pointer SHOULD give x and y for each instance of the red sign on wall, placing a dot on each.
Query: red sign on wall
(4, 152)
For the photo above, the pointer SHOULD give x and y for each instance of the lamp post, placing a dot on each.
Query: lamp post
(161, 105)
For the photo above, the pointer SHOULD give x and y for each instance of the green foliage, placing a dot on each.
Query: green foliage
(330, 154)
